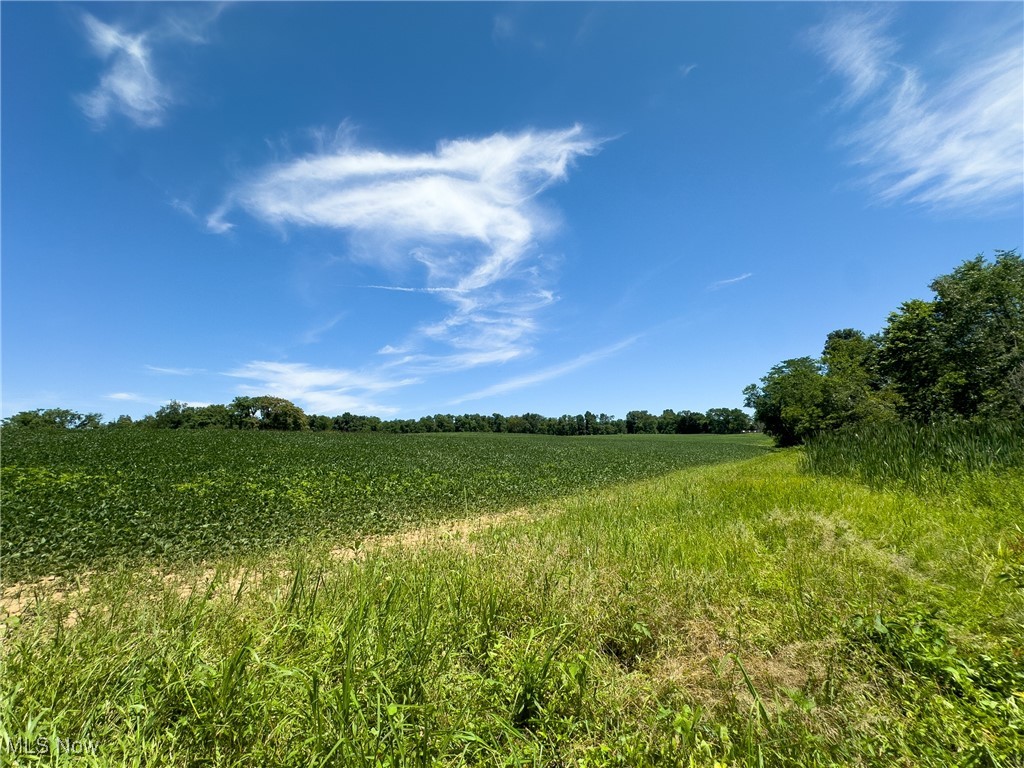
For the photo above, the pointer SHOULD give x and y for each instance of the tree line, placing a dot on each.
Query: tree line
(958, 356)
(274, 413)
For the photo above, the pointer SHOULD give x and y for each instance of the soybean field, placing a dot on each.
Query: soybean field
(74, 500)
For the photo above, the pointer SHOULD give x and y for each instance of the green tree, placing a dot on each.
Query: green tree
(691, 423)
(268, 412)
(854, 388)
(207, 417)
(962, 354)
(790, 403)
(667, 422)
(54, 418)
(727, 421)
(641, 423)
(318, 423)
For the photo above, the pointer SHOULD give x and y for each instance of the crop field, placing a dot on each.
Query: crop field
(738, 613)
(74, 500)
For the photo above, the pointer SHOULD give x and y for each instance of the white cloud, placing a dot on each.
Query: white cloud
(464, 219)
(130, 85)
(127, 396)
(173, 371)
(944, 142)
(722, 283)
(519, 382)
(318, 390)
(312, 335)
(858, 50)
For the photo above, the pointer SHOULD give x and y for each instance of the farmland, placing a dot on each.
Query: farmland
(76, 500)
(723, 612)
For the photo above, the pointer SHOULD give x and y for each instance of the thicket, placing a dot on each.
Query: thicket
(958, 357)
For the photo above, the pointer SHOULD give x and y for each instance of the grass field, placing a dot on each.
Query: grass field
(76, 500)
(736, 613)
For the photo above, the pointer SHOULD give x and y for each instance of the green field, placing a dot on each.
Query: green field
(74, 500)
(734, 611)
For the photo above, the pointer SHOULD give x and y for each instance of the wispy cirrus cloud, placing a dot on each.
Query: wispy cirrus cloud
(858, 48)
(463, 220)
(173, 371)
(130, 84)
(546, 374)
(312, 335)
(950, 140)
(729, 281)
(318, 389)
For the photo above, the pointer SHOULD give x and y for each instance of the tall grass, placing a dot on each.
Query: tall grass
(923, 458)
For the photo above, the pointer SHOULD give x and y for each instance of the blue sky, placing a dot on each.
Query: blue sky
(401, 209)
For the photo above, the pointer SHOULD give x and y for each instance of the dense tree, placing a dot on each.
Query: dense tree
(319, 423)
(790, 401)
(962, 354)
(959, 356)
(691, 423)
(53, 418)
(727, 421)
(667, 422)
(267, 412)
(641, 423)
(208, 416)
(854, 389)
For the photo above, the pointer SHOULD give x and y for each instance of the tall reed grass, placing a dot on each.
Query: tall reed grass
(923, 458)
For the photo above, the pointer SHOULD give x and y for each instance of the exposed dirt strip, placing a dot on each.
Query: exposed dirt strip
(17, 598)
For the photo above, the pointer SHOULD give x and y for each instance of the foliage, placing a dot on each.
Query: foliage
(74, 500)
(958, 356)
(641, 423)
(267, 412)
(963, 353)
(790, 402)
(53, 418)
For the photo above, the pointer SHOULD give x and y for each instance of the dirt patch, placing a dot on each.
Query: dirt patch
(17, 599)
(705, 664)
(437, 534)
